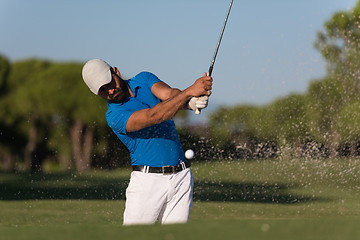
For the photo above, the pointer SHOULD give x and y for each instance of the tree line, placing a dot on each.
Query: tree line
(48, 113)
(48, 116)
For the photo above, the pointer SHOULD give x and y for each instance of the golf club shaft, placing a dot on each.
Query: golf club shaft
(197, 111)
(218, 44)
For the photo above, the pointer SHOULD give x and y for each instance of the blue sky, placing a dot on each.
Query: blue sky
(267, 49)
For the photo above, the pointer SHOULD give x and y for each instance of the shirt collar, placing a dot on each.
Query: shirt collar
(133, 86)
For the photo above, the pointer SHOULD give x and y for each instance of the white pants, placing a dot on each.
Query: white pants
(152, 196)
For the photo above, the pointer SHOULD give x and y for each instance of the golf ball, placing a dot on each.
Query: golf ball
(189, 154)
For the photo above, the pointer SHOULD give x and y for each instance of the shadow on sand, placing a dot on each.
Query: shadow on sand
(68, 186)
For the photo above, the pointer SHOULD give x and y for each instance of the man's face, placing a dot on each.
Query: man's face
(116, 90)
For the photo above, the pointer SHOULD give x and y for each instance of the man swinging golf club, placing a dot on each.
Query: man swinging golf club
(140, 112)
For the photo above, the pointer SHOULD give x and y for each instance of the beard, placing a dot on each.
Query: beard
(120, 94)
(117, 96)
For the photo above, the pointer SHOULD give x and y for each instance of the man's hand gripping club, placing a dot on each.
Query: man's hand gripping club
(201, 102)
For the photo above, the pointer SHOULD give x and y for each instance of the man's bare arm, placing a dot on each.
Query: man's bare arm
(167, 109)
(163, 91)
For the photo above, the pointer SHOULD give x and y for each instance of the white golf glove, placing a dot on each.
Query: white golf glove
(198, 102)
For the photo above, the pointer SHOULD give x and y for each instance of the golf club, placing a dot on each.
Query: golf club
(197, 111)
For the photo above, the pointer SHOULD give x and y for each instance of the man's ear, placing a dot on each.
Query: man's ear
(116, 70)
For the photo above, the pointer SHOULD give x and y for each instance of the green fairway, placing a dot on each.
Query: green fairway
(267, 199)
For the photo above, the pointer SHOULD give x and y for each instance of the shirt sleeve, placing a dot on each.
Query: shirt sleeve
(117, 120)
(151, 78)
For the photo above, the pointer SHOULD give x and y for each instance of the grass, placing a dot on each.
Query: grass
(272, 199)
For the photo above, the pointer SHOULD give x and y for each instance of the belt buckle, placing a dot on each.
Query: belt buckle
(166, 170)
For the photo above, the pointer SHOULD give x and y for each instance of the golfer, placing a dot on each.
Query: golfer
(140, 112)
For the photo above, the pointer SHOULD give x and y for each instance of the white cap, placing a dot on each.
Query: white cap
(96, 73)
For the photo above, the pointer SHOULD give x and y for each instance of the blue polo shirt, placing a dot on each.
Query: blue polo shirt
(154, 146)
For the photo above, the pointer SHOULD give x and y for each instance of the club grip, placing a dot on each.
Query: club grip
(198, 111)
